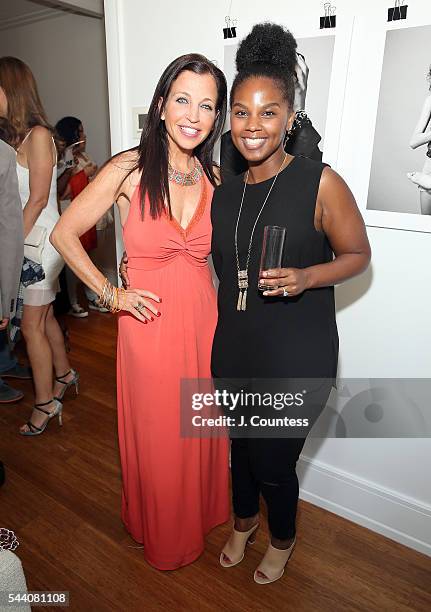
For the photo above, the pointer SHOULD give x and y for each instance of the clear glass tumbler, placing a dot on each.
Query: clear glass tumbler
(272, 251)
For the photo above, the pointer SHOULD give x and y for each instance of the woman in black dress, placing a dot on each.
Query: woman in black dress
(288, 332)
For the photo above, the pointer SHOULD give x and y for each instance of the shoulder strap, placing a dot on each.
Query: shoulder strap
(55, 148)
(24, 139)
(53, 142)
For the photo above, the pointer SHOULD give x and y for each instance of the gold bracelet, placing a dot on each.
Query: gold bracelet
(117, 300)
(103, 298)
(114, 300)
(109, 297)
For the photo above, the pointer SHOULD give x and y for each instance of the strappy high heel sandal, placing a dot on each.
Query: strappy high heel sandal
(74, 381)
(233, 552)
(33, 430)
(272, 566)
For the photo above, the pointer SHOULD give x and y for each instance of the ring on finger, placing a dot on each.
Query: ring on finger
(285, 292)
(140, 306)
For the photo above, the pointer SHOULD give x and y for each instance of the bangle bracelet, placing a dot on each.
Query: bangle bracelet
(110, 297)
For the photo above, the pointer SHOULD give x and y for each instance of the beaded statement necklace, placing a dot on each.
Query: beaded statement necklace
(185, 179)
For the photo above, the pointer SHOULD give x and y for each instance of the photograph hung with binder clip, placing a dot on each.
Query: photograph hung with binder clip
(400, 180)
(307, 135)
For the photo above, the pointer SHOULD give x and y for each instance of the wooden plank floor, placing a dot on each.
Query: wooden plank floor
(62, 498)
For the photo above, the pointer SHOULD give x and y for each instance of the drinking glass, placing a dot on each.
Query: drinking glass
(272, 252)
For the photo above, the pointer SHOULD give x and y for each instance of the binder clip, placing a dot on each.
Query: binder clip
(399, 11)
(329, 20)
(230, 30)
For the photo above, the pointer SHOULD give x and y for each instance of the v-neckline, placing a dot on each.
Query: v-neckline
(200, 207)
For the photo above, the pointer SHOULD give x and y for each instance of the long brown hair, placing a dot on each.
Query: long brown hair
(24, 107)
(152, 151)
(7, 133)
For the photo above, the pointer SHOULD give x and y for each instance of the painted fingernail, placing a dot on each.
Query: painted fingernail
(160, 299)
(145, 321)
(152, 319)
(158, 314)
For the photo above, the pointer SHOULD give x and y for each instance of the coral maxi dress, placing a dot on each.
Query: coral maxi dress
(175, 489)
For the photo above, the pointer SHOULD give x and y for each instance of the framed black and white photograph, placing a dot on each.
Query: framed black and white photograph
(315, 60)
(399, 193)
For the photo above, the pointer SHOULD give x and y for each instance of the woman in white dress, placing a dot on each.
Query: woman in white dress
(422, 136)
(36, 168)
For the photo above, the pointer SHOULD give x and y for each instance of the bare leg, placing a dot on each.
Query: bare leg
(39, 353)
(425, 198)
(58, 348)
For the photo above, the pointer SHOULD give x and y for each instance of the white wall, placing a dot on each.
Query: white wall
(383, 316)
(68, 58)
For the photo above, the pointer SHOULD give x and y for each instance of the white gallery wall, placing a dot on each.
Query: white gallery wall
(68, 58)
(384, 316)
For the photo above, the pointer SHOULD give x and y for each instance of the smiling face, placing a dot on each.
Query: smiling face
(260, 117)
(189, 112)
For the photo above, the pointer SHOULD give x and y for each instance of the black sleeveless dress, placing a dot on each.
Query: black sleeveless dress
(275, 337)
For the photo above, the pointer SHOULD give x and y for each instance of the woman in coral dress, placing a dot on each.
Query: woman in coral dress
(175, 489)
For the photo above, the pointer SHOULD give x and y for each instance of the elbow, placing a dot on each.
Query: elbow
(366, 259)
(413, 144)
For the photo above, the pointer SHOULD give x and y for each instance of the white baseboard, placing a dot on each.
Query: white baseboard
(400, 518)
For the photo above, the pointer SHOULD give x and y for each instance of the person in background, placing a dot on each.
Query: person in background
(75, 170)
(36, 157)
(11, 257)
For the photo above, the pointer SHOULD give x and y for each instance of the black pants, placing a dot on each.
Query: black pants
(267, 466)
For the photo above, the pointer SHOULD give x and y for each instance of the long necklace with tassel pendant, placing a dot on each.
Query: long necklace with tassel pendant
(243, 286)
(241, 305)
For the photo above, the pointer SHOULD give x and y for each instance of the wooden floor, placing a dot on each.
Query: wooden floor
(62, 499)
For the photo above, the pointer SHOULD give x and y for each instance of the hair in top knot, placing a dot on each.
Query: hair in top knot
(269, 51)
